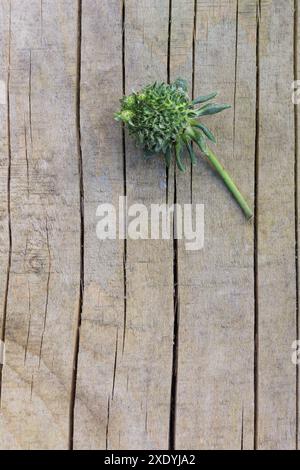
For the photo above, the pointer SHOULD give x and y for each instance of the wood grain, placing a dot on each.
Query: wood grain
(276, 231)
(44, 210)
(145, 366)
(215, 349)
(141, 344)
(103, 298)
(125, 343)
(4, 158)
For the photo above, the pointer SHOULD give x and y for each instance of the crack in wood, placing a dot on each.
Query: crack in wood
(173, 396)
(242, 429)
(123, 13)
(26, 158)
(169, 43)
(29, 96)
(8, 270)
(29, 324)
(47, 292)
(146, 419)
(194, 38)
(296, 18)
(31, 387)
(107, 424)
(115, 366)
(168, 81)
(235, 73)
(255, 260)
(81, 206)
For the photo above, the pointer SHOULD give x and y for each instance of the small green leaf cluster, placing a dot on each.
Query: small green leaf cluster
(163, 120)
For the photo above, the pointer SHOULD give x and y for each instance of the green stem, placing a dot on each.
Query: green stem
(229, 183)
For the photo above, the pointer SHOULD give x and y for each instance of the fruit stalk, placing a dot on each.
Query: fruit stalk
(212, 158)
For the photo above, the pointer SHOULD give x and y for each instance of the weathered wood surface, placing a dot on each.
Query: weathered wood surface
(142, 344)
(276, 294)
(42, 276)
(215, 392)
(126, 339)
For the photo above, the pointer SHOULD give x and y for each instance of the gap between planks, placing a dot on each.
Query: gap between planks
(81, 207)
(296, 17)
(255, 260)
(8, 198)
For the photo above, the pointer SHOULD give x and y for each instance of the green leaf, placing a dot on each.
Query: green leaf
(197, 135)
(168, 156)
(209, 109)
(191, 153)
(200, 141)
(203, 99)
(190, 132)
(206, 131)
(178, 150)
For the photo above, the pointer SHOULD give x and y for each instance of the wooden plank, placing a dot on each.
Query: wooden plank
(124, 374)
(216, 308)
(276, 424)
(144, 392)
(297, 202)
(102, 153)
(182, 38)
(4, 231)
(149, 326)
(44, 207)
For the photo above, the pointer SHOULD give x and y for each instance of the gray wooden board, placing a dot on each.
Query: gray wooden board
(276, 230)
(125, 359)
(43, 284)
(216, 285)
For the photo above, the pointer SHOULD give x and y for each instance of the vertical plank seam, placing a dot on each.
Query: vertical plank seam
(8, 271)
(173, 398)
(237, 13)
(176, 303)
(173, 378)
(124, 179)
(81, 208)
(26, 159)
(176, 306)
(41, 21)
(296, 211)
(107, 425)
(30, 95)
(242, 429)
(47, 293)
(115, 366)
(169, 42)
(193, 80)
(168, 80)
(29, 323)
(255, 261)
(235, 73)
(31, 386)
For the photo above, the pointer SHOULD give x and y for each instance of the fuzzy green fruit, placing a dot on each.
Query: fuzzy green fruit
(163, 120)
